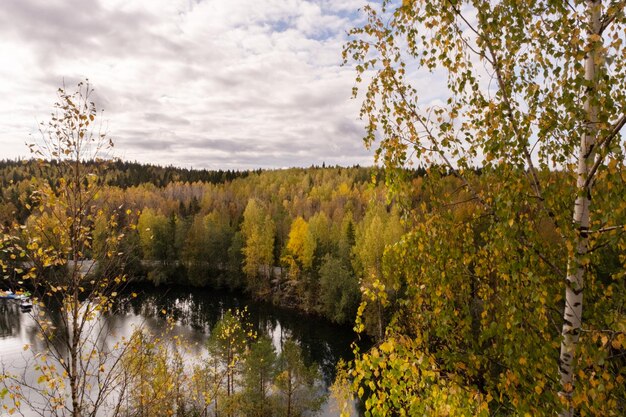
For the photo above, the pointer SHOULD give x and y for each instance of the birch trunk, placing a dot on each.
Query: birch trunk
(572, 315)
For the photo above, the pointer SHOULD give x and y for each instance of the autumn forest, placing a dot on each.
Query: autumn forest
(474, 267)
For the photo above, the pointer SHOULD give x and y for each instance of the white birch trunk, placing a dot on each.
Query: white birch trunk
(572, 315)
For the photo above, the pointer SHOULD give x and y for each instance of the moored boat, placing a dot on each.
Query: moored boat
(22, 296)
(7, 295)
(26, 304)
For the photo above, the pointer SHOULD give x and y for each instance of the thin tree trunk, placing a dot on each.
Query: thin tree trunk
(572, 315)
(76, 334)
(216, 384)
(229, 378)
(74, 359)
(380, 321)
(289, 394)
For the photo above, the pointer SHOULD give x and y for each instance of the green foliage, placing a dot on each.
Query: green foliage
(196, 232)
(229, 337)
(258, 374)
(295, 383)
(227, 344)
(195, 254)
(535, 94)
(122, 174)
(241, 376)
(378, 230)
(339, 290)
(325, 234)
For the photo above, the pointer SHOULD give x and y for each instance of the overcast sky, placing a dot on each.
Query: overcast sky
(203, 83)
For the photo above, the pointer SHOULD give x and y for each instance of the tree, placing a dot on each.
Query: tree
(535, 93)
(258, 232)
(152, 228)
(339, 290)
(75, 373)
(295, 383)
(220, 236)
(324, 233)
(377, 230)
(235, 260)
(257, 376)
(161, 239)
(346, 239)
(150, 378)
(300, 250)
(227, 344)
(195, 254)
(301, 243)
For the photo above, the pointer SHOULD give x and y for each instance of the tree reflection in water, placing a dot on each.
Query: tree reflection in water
(10, 322)
(194, 313)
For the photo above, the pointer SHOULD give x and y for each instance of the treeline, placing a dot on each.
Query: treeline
(306, 238)
(118, 173)
(19, 178)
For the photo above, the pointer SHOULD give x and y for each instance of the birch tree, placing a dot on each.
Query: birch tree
(75, 370)
(258, 231)
(533, 93)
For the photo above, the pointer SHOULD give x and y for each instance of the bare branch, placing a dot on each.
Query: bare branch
(608, 229)
(604, 143)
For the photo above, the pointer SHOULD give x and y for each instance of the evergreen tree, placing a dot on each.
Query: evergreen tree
(295, 383)
(258, 373)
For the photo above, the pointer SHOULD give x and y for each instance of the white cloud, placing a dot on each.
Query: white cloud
(210, 83)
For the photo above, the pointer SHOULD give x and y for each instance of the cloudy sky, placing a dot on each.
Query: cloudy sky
(203, 83)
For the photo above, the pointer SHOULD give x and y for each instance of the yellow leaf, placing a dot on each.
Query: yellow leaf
(617, 343)
(387, 347)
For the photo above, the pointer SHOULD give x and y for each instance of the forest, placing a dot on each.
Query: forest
(304, 237)
(327, 241)
(484, 254)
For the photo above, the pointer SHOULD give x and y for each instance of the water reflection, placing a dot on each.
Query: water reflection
(9, 325)
(195, 312)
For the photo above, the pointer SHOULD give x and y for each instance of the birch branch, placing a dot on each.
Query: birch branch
(605, 142)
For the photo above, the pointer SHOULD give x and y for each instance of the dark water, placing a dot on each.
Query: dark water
(195, 312)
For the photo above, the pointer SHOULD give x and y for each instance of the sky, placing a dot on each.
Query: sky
(217, 84)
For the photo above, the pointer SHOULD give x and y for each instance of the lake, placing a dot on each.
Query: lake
(195, 312)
